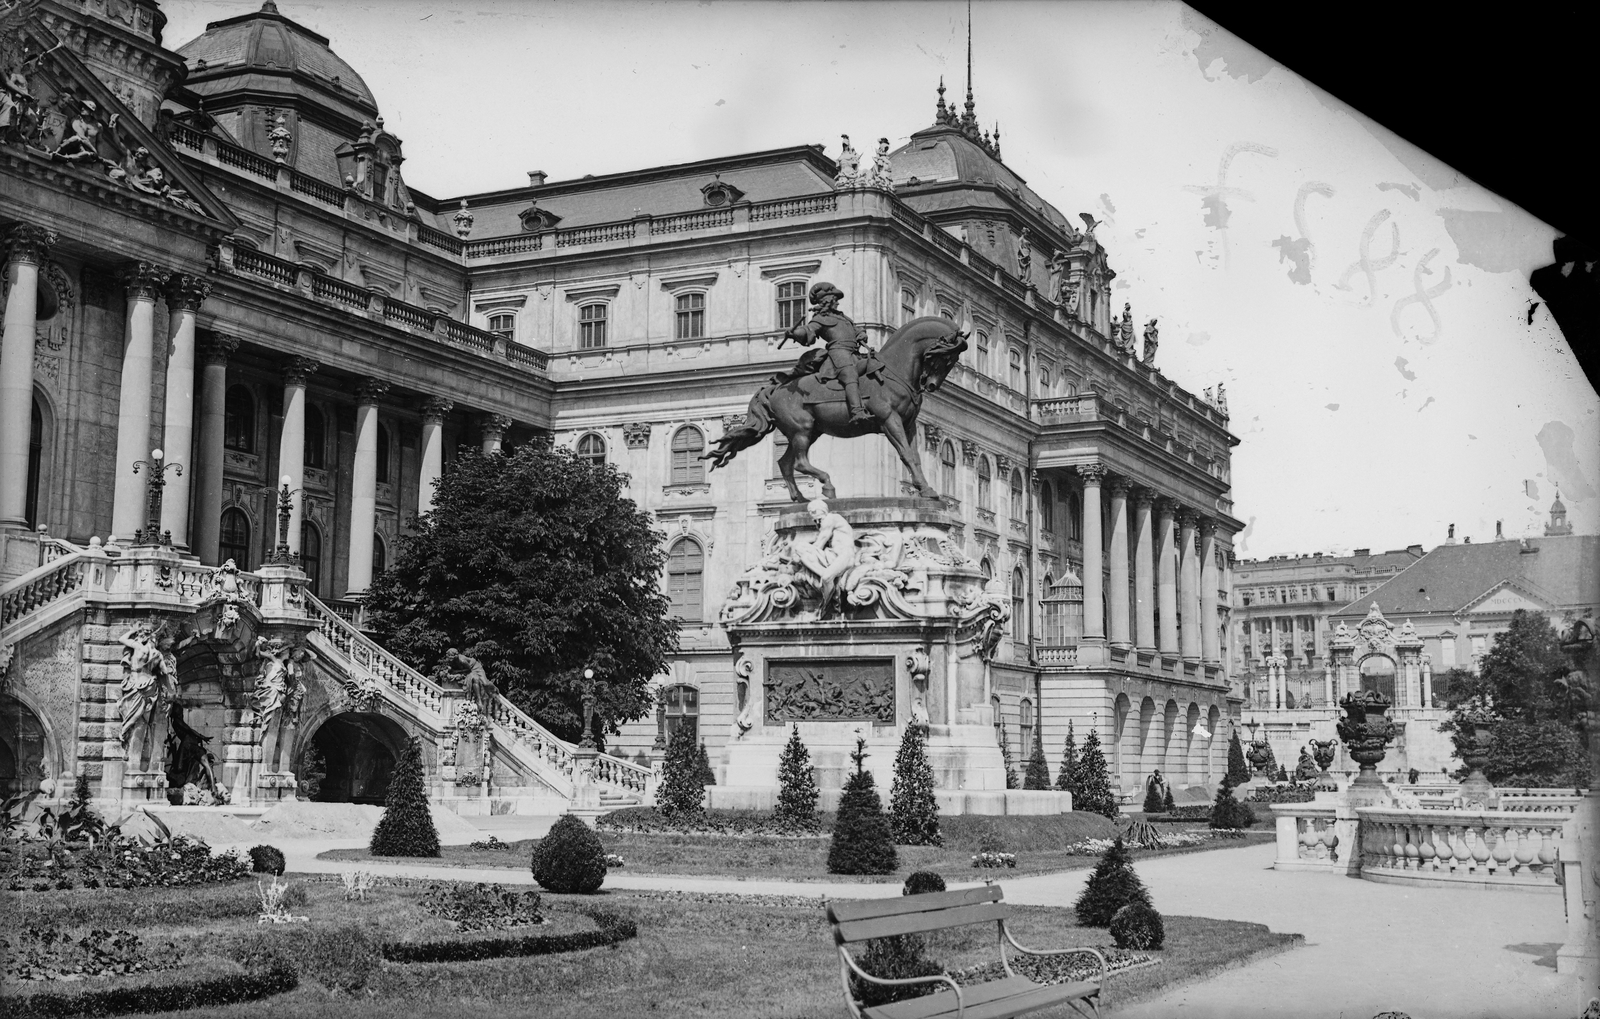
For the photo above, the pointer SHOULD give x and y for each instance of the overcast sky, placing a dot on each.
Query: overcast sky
(1377, 399)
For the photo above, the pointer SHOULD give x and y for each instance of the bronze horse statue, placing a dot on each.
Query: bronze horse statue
(914, 361)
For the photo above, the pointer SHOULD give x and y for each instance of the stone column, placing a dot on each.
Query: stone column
(128, 509)
(1327, 682)
(1094, 621)
(1210, 582)
(1117, 581)
(494, 431)
(1144, 588)
(364, 487)
(1427, 681)
(292, 442)
(1166, 579)
(206, 533)
(184, 297)
(434, 411)
(26, 249)
(1188, 585)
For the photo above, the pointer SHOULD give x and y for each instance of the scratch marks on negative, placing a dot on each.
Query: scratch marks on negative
(1423, 296)
(1213, 197)
(1556, 440)
(1400, 365)
(1411, 191)
(1365, 263)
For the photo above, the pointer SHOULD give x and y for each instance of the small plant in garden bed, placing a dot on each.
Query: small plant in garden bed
(357, 883)
(490, 843)
(570, 859)
(266, 860)
(275, 902)
(1293, 792)
(737, 823)
(480, 907)
(120, 862)
(46, 953)
(993, 859)
(613, 860)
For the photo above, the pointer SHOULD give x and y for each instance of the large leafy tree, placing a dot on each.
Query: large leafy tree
(536, 564)
(1523, 668)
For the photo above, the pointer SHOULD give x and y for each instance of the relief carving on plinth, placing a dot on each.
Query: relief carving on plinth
(859, 689)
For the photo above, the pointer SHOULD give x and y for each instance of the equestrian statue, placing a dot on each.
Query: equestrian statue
(847, 390)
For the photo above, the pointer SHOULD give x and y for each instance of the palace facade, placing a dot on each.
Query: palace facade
(212, 250)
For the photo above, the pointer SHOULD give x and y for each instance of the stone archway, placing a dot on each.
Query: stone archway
(1378, 673)
(27, 755)
(359, 751)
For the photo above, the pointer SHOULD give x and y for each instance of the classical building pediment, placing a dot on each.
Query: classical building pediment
(1508, 596)
(61, 111)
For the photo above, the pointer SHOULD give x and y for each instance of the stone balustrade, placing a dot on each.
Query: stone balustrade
(1488, 848)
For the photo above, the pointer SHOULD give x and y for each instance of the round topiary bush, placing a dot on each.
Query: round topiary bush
(570, 859)
(1137, 926)
(923, 882)
(266, 860)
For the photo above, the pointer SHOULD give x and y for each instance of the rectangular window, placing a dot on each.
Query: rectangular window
(983, 353)
(1016, 371)
(791, 304)
(691, 324)
(908, 307)
(502, 325)
(591, 326)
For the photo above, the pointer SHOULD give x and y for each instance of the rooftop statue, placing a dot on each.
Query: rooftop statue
(848, 392)
(849, 165)
(1152, 340)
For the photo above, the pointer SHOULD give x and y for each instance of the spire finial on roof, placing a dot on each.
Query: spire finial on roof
(969, 118)
(941, 113)
(268, 8)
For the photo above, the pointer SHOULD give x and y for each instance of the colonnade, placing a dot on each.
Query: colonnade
(196, 371)
(1184, 577)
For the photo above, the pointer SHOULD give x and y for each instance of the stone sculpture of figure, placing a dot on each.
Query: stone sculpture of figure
(1152, 340)
(1222, 398)
(1126, 342)
(149, 676)
(19, 111)
(278, 693)
(82, 142)
(279, 138)
(830, 555)
(994, 608)
(881, 170)
(1305, 770)
(849, 165)
(1089, 223)
(1058, 277)
(1206, 395)
(1156, 782)
(146, 176)
(1024, 255)
(469, 672)
(189, 762)
(843, 339)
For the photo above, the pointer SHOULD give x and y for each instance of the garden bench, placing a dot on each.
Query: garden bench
(858, 921)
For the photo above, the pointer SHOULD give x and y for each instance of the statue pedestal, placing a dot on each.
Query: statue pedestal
(897, 634)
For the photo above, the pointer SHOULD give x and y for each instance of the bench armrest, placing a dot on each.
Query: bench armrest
(943, 978)
(1056, 951)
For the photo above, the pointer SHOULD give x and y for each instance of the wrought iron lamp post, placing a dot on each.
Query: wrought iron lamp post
(587, 742)
(282, 556)
(151, 533)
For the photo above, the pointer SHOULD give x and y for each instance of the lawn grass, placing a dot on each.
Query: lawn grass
(1037, 842)
(721, 957)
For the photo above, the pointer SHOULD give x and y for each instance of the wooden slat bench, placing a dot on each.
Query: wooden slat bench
(862, 920)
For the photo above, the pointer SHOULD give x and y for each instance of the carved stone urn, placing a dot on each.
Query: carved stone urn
(1366, 731)
(1322, 751)
(1477, 792)
(1260, 756)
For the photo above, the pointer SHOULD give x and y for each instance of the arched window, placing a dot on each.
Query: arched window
(1016, 370)
(239, 420)
(946, 314)
(687, 467)
(591, 326)
(983, 353)
(1019, 508)
(1044, 382)
(1075, 516)
(1047, 507)
(986, 570)
(311, 556)
(690, 316)
(592, 448)
(1025, 726)
(383, 455)
(995, 710)
(985, 479)
(30, 507)
(677, 707)
(1019, 605)
(686, 566)
(947, 468)
(791, 304)
(502, 324)
(380, 555)
(235, 538)
(316, 450)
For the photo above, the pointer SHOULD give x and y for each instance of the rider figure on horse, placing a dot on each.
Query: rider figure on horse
(843, 338)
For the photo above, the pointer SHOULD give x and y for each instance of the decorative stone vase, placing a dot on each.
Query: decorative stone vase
(1323, 752)
(1259, 755)
(1476, 791)
(1367, 731)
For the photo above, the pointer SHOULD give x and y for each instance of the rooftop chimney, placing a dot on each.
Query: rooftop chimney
(1498, 535)
(1363, 551)
(536, 178)
(1415, 550)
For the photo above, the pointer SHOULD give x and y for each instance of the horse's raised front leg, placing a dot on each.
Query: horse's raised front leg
(800, 448)
(895, 431)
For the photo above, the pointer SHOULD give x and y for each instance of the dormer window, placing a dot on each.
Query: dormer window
(720, 193)
(535, 219)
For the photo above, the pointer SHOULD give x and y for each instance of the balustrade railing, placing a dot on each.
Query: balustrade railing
(183, 134)
(1056, 655)
(232, 155)
(321, 190)
(39, 588)
(594, 234)
(439, 239)
(516, 245)
(784, 208)
(1083, 407)
(460, 332)
(528, 356)
(1495, 847)
(365, 653)
(692, 221)
(333, 289)
(410, 314)
(259, 263)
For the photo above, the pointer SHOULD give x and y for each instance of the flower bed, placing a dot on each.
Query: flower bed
(1294, 792)
(734, 823)
(1057, 969)
(118, 862)
(990, 858)
(1176, 840)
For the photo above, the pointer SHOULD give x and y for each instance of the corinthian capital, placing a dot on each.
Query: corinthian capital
(144, 280)
(1188, 519)
(186, 292)
(298, 370)
(436, 408)
(25, 242)
(216, 348)
(495, 424)
(1092, 473)
(370, 391)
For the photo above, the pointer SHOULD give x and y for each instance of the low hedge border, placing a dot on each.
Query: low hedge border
(211, 993)
(613, 930)
(731, 823)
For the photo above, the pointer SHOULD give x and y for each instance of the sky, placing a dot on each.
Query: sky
(1389, 369)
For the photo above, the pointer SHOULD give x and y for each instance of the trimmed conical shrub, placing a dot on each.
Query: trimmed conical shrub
(1167, 804)
(1094, 784)
(1038, 774)
(708, 775)
(1067, 778)
(406, 828)
(1005, 758)
(1152, 798)
(862, 840)
(914, 810)
(1227, 813)
(570, 859)
(797, 786)
(1112, 886)
(681, 790)
(1238, 769)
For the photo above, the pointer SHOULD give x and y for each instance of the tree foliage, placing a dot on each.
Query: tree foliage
(570, 859)
(1005, 758)
(1238, 767)
(682, 790)
(912, 805)
(537, 565)
(1112, 886)
(1227, 813)
(406, 828)
(797, 785)
(862, 840)
(1038, 773)
(1067, 777)
(1094, 783)
(708, 775)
